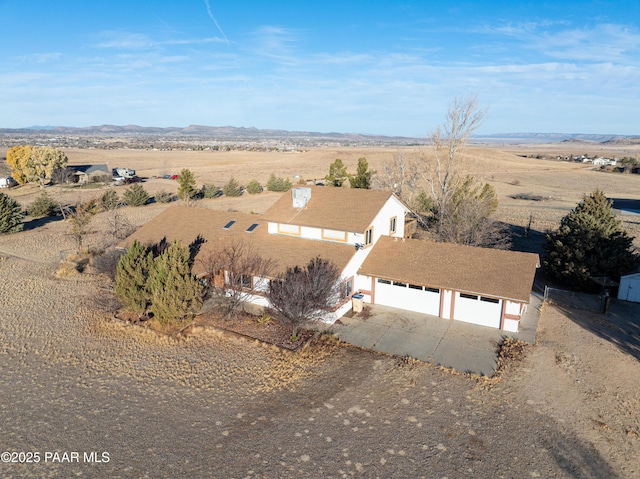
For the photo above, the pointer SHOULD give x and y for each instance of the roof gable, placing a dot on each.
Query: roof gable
(343, 209)
(483, 271)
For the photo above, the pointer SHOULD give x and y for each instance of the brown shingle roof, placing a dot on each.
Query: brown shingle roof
(482, 271)
(343, 209)
(185, 224)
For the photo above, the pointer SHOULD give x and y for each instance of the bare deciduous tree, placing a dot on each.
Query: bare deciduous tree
(236, 273)
(443, 174)
(305, 294)
(459, 205)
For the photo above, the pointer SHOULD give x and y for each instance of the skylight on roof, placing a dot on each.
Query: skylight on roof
(252, 227)
(229, 225)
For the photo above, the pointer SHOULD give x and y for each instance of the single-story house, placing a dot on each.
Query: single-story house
(87, 173)
(364, 233)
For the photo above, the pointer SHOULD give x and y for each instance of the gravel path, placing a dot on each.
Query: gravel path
(219, 406)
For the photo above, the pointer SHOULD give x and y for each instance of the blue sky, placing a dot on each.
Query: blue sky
(373, 67)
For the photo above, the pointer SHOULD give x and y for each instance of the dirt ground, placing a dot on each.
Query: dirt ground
(72, 380)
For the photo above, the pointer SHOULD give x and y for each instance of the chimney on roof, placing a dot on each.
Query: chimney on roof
(300, 196)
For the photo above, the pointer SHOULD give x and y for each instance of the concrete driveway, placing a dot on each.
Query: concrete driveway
(454, 344)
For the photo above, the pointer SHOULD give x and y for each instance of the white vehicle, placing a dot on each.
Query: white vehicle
(7, 182)
(123, 173)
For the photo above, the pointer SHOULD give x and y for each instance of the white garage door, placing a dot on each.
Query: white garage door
(407, 296)
(478, 310)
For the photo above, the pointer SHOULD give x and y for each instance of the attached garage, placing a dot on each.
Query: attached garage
(630, 288)
(477, 285)
(476, 309)
(411, 297)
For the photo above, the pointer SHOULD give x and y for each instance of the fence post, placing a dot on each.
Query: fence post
(546, 293)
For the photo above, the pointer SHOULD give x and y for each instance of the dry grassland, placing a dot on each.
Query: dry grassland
(213, 405)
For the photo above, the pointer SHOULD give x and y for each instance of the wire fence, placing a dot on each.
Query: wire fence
(573, 299)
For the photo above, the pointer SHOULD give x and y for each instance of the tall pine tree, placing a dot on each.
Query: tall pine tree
(10, 215)
(589, 243)
(176, 294)
(132, 275)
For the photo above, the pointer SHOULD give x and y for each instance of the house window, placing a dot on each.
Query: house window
(432, 290)
(398, 283)
(392, 225)
(415, 286)
(489, 300)
(346, 288)
(468, 296)
(368, 236)
(245, 281)
(384, 281)
(239, 280)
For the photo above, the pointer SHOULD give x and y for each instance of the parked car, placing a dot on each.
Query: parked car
(133, 179)
(7, 182)
(174, 177)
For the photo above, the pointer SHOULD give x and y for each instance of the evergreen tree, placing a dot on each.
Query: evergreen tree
(187, 185)
(589, 243)
(278, 184)
(232, 188)
(43, 205)
(109, 200)
(337, 173)
(210, 191)
(10, 215)
(176, 294)
(254, 187)
(362, 178)
(132, 274)
(136, 195)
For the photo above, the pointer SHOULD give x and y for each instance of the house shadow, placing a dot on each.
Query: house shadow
(620, 325)
(525, 239)
(39, 222)
(626, 205)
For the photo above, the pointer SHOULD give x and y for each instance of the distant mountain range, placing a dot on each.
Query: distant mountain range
(222, 132)
(241, 133)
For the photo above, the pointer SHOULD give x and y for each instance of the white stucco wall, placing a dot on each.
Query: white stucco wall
(513, 308)
(511, 325)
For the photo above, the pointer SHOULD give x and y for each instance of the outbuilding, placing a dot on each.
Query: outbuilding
(630, 288)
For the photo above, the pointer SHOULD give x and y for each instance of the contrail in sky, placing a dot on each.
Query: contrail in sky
(213, 19)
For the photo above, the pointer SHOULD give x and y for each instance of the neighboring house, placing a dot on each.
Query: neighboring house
(87, 173)
(363, 232)
(629, 289)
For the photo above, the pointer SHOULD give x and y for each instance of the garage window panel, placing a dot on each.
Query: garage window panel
(399, 283)
(489, 300)
(432, 290)
(384, 281)
(415, 286)
(469, 296)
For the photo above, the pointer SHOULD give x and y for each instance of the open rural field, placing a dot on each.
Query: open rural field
(212, 405)
(507, 168)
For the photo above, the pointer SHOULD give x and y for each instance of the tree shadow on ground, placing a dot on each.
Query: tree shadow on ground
(38, 222)
(526, 239)
(578, 458)
(620, 325)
